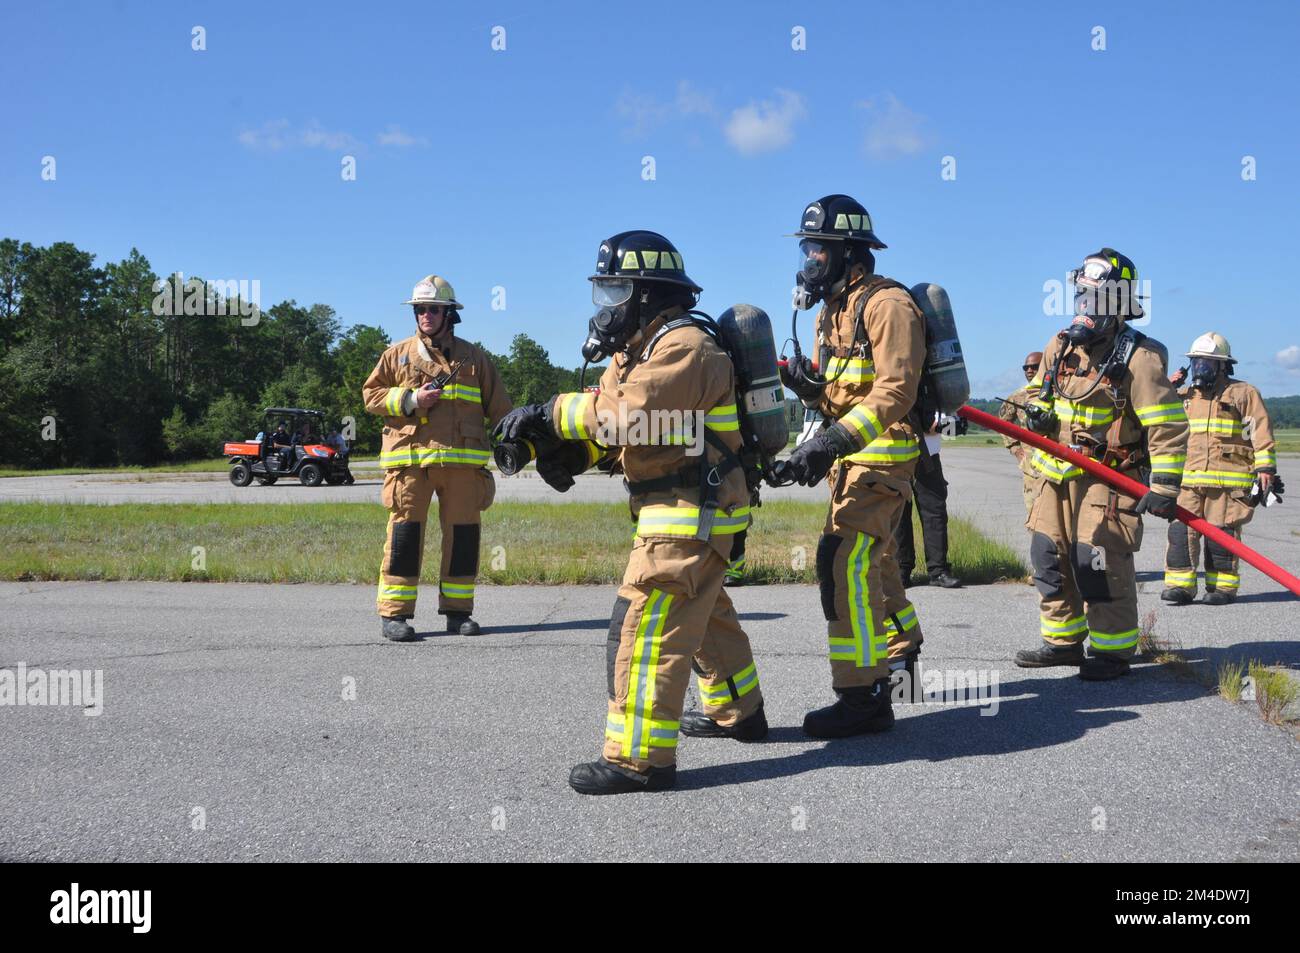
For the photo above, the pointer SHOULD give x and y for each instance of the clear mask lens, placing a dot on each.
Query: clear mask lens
(610, 293)
(814, 260)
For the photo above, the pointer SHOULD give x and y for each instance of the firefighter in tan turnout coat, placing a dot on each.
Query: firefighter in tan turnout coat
(439, 396)
(1103, 390)
(872, 337)
(1231, 467)
(666, 411)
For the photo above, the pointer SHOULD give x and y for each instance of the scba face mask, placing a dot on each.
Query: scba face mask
(820, 266)
(1204, 372)
(615, 319)
(1099, 301)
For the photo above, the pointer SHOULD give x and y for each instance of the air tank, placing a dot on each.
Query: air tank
(747, 332)
(944, 364)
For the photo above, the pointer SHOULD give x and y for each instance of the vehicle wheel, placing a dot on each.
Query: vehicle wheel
(267, 480)
(240, 475)
(310, 475)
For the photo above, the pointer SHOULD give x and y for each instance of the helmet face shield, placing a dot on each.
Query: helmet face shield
(611, 292)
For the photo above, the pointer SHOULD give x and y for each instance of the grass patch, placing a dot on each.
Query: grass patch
(562, 543)
(1275, 692)
(1232, 680)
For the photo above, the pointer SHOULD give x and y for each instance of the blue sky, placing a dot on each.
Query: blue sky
(507, 168)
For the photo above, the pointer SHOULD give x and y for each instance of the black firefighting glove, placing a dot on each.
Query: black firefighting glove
(1275, 486)
(1041, 420)
(1157, 504)
(551, 468)
(812, 459)
(524, 423)
(794, 375)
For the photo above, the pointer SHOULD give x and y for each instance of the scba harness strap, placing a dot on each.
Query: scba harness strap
(707, 476)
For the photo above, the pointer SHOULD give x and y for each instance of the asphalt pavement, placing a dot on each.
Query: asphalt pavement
(252, 722)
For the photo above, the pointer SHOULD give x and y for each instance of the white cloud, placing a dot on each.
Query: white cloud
(894, 131)
(1289, 358)
(394, 135)
(767, 125)
(275, 135)
(645, 112)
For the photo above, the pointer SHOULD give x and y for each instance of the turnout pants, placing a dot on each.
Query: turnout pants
(463, 493)
(931, 492)
(1082, 551)
(671, 615)
(736, 565)
(869, 620)
(1225, 508)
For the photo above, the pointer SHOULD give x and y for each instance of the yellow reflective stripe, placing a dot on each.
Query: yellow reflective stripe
(425, 457)
(887, 450)
(663, 733)
(745, 681)
(1168, 462)
(1160, 414)
(667, 520)
(1113, 641)
(722, 418)
(864, 422)
(1216, 425)
(1069, 412)
(1228, 478)
(457, 590)
(851, 370)
(1265, 458)
(394, 593)
(1180, 578)
(462, 392)
(1053, 468)
(571, 415)
(393, 401)
(907, 617)
(1061, 630)
(638, 726)
(867, 647)
(1222, 580)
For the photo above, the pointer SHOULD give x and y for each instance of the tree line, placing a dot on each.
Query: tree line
(114, 365)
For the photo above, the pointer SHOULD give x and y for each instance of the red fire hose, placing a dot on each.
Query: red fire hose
(1131, 487)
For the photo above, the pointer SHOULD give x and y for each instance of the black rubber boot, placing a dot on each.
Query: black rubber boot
(1175, 596)
(732, 582)
(460, 623)
(1047, 655)
(397, 630)
(860, 710)
(699, 725)
(601, 777)
(1215, 598)
(1102, 668)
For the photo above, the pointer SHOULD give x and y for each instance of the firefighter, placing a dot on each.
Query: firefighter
(689, 498)
(1010, 411)
(736, 560)
(1230, 453)
(872, 348)
(436, 393)
(1103, 390)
